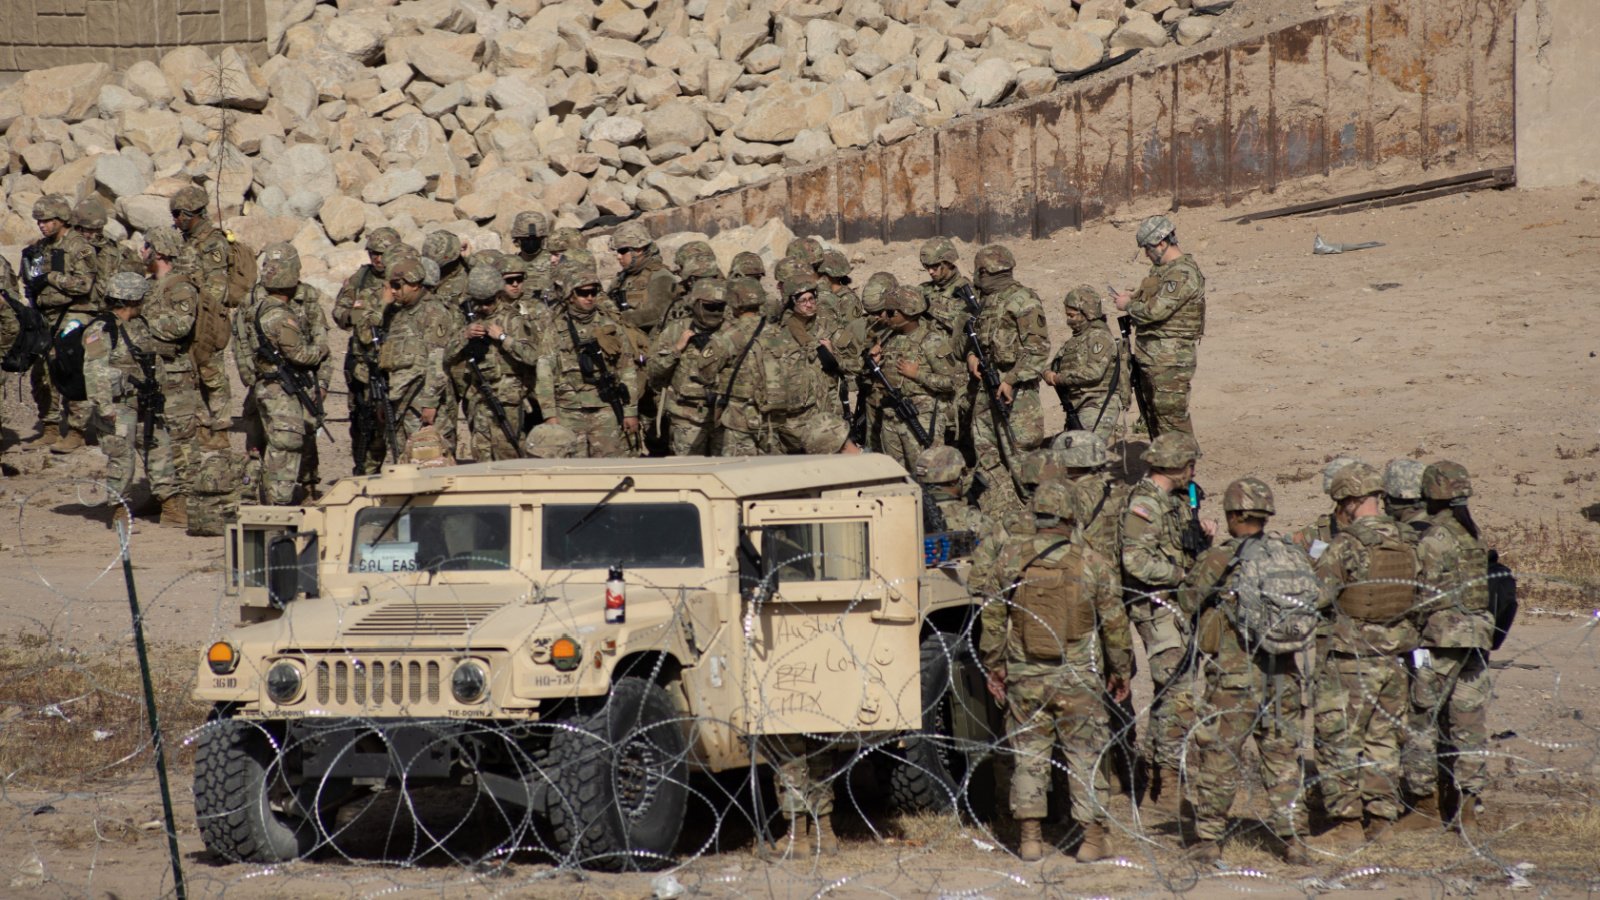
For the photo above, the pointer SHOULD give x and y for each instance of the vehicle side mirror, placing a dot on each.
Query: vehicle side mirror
(283, 571)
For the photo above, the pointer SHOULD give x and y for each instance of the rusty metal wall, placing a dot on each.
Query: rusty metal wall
(1423, 85)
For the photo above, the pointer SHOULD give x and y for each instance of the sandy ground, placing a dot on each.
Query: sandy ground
(1469, 336)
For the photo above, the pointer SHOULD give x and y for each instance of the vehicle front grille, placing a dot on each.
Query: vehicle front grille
(432, 619)
(377, 682)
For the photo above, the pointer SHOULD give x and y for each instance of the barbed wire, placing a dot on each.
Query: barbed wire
(695, 772)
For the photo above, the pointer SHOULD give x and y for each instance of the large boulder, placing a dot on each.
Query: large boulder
(675, 122)
(232, 82)
(392, 185)
(988, 82)
(64, 92)
(119, 176)
(303, 167)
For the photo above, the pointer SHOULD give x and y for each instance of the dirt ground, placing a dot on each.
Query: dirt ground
(1467, 336)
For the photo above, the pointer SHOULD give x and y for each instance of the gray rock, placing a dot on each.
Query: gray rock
(145, 79)
(612, 54)
(303, 166)
(763, 59)
(152, 130)
(305, 204)
(744, 34)
(535, 50)
(811, 145)
(988, 82)
(675, 121)
(1194, 29)
(114, 99)
(1077, 50)
(1141, 30)
(64, 92)
(144, 212)
(233, 82)
(617, 130)
(42, 158)
(118, 176)
(392, 185)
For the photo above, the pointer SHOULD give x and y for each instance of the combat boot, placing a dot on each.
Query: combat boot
(175, 512)
(1346, 834)
(1204, 852)
(1377, 827)
(1421, 815)
(1169, 794)
(72, 440)
(1294, 853)
(1096, 843)
(47, 436)
(1467, 815)
(121, 521)
(798, 836)
(213, 440)
(1030, 842)
(827, 841)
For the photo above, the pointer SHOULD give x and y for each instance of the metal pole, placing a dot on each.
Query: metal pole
(155, 719)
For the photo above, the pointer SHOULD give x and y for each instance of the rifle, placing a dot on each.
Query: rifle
(1194, 539)
(288, 377)
(990, 376)
(1074, 421)
(152, 403)
(378, 385)
(716, 403)
(477, 349)
(592, 363)
(1136, 377)
(903, 408)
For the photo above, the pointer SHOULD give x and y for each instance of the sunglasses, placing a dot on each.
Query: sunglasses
(882, 313)
(712, 307)
(514, 279)
(397, 284)
(586, 291)
(629, 249)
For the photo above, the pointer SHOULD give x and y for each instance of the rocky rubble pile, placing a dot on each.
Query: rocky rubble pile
(459, 113)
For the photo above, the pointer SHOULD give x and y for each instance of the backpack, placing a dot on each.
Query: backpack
(1276, 593)
(66, 361)
(32, 342)
(242, 271)
(1502, 598)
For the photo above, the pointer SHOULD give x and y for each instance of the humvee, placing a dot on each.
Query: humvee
(574, 638)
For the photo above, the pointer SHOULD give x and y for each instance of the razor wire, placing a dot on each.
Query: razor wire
(366, 790)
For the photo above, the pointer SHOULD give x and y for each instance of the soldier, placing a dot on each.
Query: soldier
(1156, 555)
(548, 440)
(673, 368)
(747, 265)
(731, 378)
(836, 298)
(795, 395)
(1402, 496)
(209, 246)
(644, 291)
(1450, 689)
(412, 354)
(1315, 538)
(285, 327)
(918, 361)
(447, 251)
(110, 257)
(358, 309)
(1372, 569)
(500, 352)
(1060, 642)
(940, 470)
(1250, 691)
(169, 316)
(945, 285)
(58, 276)
(1169, 309)
(1016, 343)
(1087, 371)
(527, 235)
(10, 325)
(807, 251)
(585, 372)
(112, 375)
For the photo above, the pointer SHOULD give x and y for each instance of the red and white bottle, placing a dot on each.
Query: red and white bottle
(616, 597)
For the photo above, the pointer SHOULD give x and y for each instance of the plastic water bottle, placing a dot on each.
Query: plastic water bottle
(616, 597)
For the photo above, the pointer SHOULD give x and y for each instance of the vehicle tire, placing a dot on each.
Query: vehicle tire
(926, 776)
(237, 781)
(621, 780)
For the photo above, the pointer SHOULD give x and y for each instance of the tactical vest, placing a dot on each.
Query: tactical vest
(1050, 609)
(1188, 321)
(1389, 589)
(791, 377)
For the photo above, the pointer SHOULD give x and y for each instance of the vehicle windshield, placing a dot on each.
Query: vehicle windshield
(432, 538)
(629, 535)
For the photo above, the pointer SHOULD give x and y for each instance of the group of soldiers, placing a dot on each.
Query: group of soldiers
(1374, 622)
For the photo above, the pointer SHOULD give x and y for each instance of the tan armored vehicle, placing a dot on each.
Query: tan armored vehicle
(575, 639)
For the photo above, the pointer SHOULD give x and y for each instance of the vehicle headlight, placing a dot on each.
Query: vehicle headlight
(285, 683)
(469, 683)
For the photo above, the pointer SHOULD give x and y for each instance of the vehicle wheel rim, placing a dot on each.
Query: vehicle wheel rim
(641, 768)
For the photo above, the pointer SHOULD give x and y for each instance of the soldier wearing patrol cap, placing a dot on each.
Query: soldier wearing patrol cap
(586, 372)
(169, 314)
(1248, 690)
(58, 275)
(944, 285)
(1402, 495)
(1058, 643)
(673, 368)
(645, 289)
(1169, 310)
(1089, 370)
(1361, 695)
(209, 253)
(112, 375)
(920, 363)
(358, 309)
(1155, 559)
(1450, 694)
(502, 343)
(89, 218)
(1016, 343)
(284, 326)
(528, 231)
(413, 349)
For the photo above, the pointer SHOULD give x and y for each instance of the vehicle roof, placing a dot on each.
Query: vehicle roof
(741, 476)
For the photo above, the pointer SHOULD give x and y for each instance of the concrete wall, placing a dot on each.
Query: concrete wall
(38, 34)
(1558, 92)
(1391, 92)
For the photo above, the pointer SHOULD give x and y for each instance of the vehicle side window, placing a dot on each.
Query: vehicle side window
(820, 551)
(432, 538)
(629, 535)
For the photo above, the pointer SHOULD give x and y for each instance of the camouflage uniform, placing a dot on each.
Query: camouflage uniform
(111, 375)
(1011, 328)
(939, 469)
(359, 309)
(674, 372)
(413, 352)
(1451, 696)
(208, 249)
(507, 365)
(10, 327)
(110, 257)
(931, 391)
(1054, 683)
(728, 371)
(795, 394)
(645, 290)
(169, 317)
(560, 388)
(66, 300)
(1169, 309)
(1089, 368)
(945, 307)
(1402, 496)
(836, 299)
(527, 229)
(288, 314)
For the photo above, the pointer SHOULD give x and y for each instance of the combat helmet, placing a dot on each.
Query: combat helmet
(994, 259)
(382, 240)
(551, 440)
(1171, 450)
(280, 267)
(1402, 479)
(1154, 230)
(877, 287)
(1085, 300)
(1080, 449)
(89, 214)
(52, 206)
(1249, 495)
(126, 289)
(834, 264)
(745, 294)
(939, 465)
(1356, 480)
(938, 250)
(747, 265)
(443, 247)
(191, 198)
(1446, 480)
(1055, 500)
(529, 224)
(631, 236)
(484, 283)
(1332, 469)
